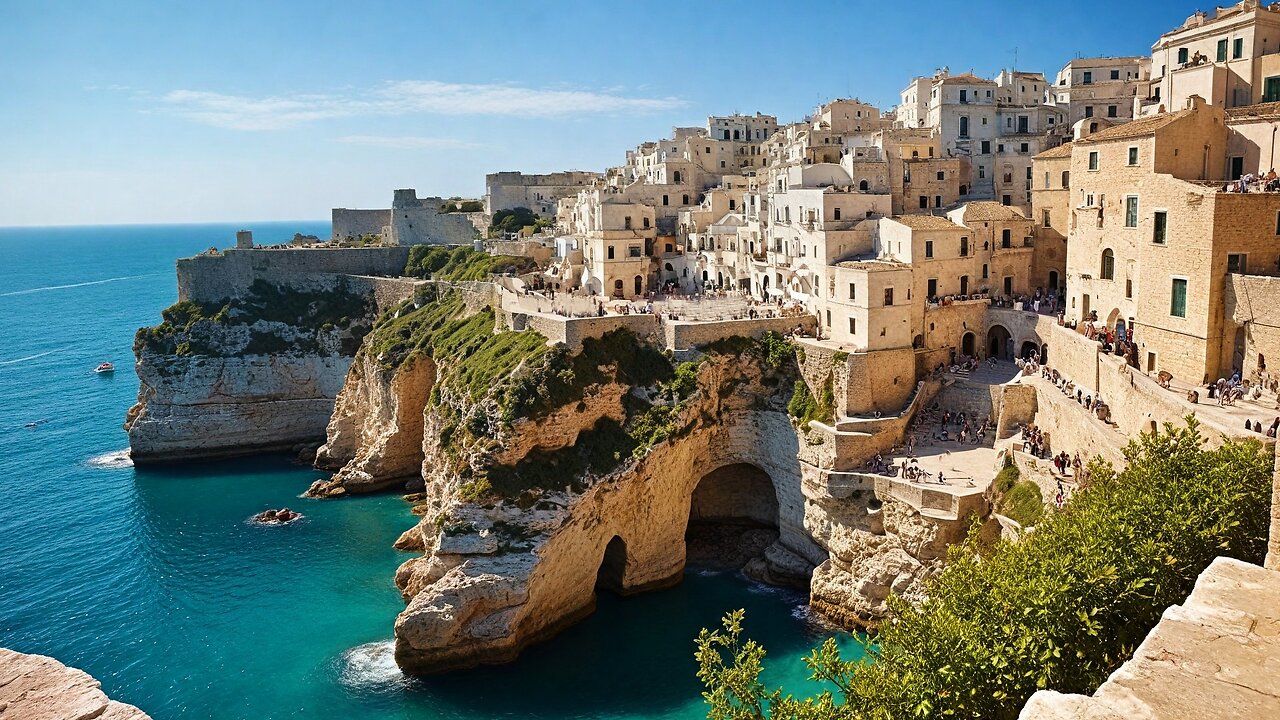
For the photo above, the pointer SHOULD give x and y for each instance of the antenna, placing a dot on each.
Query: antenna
(1015, 59)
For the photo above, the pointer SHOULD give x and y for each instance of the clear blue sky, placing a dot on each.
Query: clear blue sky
(123, 111)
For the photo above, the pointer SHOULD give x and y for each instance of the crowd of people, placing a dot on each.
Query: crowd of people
(1268, 182)
(1090, 402)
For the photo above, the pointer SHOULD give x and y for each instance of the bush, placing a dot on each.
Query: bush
(462, 263)
(1060, 609)
(513, 220)
(1023, 504)
(806, 408)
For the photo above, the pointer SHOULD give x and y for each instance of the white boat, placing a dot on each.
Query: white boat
(105, 367)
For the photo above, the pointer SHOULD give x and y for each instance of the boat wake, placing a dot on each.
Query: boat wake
(372, 668)
(28, 291)
(112, 460)
(15, 361)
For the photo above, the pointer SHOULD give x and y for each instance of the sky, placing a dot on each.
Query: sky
(166, 112)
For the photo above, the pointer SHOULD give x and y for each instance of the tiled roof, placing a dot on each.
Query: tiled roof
(967, 78)
(926, 222)
(985, 210)
(1062, 151)
(1260, 110)
(1137, 128)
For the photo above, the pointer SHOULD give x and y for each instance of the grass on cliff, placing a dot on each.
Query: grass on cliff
(315, 310)
(1060, 609)
(437, 262)
(807, 408)
(1015, 498)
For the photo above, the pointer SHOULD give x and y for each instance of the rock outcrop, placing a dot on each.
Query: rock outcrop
(248, 375)
(36, 687)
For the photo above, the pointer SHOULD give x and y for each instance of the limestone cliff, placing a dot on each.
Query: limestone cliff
(36, 687)
(250, 374)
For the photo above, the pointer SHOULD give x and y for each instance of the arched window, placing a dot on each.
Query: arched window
(863, 185)
(1066, 178)
(676, 176)
(1108, 265)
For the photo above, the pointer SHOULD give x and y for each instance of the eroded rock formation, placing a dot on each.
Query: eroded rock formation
(36, 687)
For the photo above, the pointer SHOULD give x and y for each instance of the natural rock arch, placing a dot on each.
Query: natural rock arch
(613, 566)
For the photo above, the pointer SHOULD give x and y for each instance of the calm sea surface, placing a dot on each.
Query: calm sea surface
(153, 581)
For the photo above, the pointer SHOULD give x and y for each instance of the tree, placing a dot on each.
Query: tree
(1062, 608)
(510, 221)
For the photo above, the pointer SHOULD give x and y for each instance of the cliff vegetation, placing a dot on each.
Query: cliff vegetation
(1060, 609)
(436, 262)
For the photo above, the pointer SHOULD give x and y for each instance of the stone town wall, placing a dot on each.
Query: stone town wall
(571, 332)
(354, 223)
(946, 325)
(210, 278)
(684, 335)
(880, 380)
(1017, 407)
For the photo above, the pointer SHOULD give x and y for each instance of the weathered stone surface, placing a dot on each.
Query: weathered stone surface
(36, 687)
(1215, 656)
(375, 435)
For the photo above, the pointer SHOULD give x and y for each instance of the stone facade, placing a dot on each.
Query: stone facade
(539, 193)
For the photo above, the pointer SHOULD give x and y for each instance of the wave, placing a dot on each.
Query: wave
(372, 667)
(28, 291)
(112, 460)
(32, 357)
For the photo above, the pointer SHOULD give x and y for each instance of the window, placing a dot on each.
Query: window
(1237, 48)
(937, 201)
(626, 223)
(1236, 263)
(1108, 264)
(1088, 78)
(1131, 211)
(1088, 111)
(1024, 147)
(888, 296)
(664, 199)
(984, 271)
(1046, 180)
(610, 252)
(1133, 156)
(1044, 219)
(634, 251)
(853, 326)
(684, 199)
(964, 247)
(853, 291)
(646, 223)
(1115, 74)
(933, 288)
(982, 171)
(964, 126)
(964, 95)
(1006, 238)
(1111, 111)
(924, 201)
(828, 318)
(1158, 224)
(835, 212)
(1006, 200)
(986, 147)
(1178, 300)
(1271, 89)
(928, 248)
(1182, 56)
(942, 175)
(1222, 53)
(1093, 160)
(1066, 179)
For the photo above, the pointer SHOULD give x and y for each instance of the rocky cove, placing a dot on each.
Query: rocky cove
(544, 472)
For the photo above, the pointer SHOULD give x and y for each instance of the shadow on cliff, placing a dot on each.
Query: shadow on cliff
(633, 657)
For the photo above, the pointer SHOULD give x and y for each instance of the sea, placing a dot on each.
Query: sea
(154, 582)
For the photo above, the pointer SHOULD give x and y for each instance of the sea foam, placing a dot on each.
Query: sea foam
(112, 460)
(372, 668)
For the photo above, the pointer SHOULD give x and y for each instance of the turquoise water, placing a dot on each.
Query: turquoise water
(154, 582)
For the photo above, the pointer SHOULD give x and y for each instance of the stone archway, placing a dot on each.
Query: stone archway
(1044, 354)
(1028, 348)
(613, 566)
(966, 344)
(733, 517)
(999, 343)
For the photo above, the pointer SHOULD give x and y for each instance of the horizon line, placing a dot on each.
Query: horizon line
(155, 224)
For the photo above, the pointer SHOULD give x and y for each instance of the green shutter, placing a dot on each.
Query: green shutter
(1178, 307)
(1222, 51)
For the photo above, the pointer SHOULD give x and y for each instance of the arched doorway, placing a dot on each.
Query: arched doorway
(733, 517)
(1053, 279)
(1044, 354)
(613, 567)
(1028, 349)
(639, 282)
(966, 344)
(617, 288)
(999, 343)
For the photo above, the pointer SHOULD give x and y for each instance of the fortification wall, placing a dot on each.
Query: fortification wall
(424, 224)
(684, 335)
(348, 222)
(210, 278)
(573, 331)
(1252, 305)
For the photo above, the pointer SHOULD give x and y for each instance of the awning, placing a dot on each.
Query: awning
(775, 292)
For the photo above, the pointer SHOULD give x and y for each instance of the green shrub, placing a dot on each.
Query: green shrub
(806, 408)
(1061, 609)
(462, 263)
(1023, 504)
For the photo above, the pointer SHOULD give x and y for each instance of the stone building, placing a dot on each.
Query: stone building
(618, 248)
(1100, 87)
(411, 220)
(539, 193)
(1230, 57)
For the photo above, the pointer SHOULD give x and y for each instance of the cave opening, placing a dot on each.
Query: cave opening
(613, 568)
(733, 518)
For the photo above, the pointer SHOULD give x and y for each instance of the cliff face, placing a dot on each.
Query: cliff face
(243, 376)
